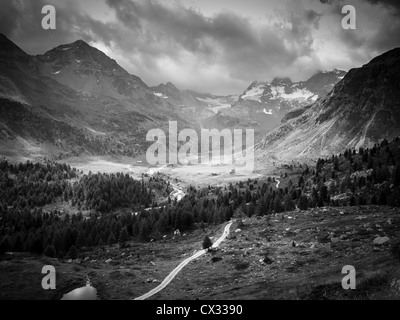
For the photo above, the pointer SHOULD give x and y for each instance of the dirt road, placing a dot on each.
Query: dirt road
(174, 272)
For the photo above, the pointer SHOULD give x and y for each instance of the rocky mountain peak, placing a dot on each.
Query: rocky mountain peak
(281, 81)
(83, 67)
(171, 86)
(82, 53)
(263, 105)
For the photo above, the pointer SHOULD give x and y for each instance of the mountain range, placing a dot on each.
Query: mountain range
(75, 100)
(83, 102)
(361, 110)
(263, 105)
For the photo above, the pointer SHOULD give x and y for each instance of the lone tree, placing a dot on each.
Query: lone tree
(239, 214)
(207, 243)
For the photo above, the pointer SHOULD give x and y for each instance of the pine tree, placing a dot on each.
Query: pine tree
(50, 251)
(352, 201)
(67, 239)
(5, 244)
(96, 240)
(80, 241)
(382, 198)
(207, 243)
(111, 239)
(278, 205)
(396, 175)
(251, 209)
(303, 203)
(289, 204)
(117, 229)
(28, 243)
(72, 253)
(37, 245)
(124, 236)
(144, 231)
(18, 244)
(262, 207)
(48, 177)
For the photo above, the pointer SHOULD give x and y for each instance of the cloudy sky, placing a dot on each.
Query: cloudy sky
(217, 46)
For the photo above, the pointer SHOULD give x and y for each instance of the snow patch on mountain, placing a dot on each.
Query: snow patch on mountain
(215, 104)
(254, 93)
(298, 94)
(160, 95)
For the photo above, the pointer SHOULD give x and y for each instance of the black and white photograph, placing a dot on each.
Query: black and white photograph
(221, 151)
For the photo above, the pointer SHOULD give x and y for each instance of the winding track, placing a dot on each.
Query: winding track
(174, 272)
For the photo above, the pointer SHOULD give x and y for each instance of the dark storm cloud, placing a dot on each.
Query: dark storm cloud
(387, 37)
(21, 22)
(220, 52)
(184, 26)
(389, 3)
(152, 38)
(386, 31)
(147, 31)
(247, 51)
(9, 16)
(302, 24)
(393, 4)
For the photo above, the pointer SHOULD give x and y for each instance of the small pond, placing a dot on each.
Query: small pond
(83, 293)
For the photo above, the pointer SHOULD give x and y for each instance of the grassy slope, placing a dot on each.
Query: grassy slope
(312, 269)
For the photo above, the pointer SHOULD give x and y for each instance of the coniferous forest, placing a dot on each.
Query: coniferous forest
(115, 208)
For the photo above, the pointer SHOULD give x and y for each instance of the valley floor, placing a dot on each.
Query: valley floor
(196, 175)
(295, 255)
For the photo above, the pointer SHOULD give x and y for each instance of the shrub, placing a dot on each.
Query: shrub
(242, 265)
